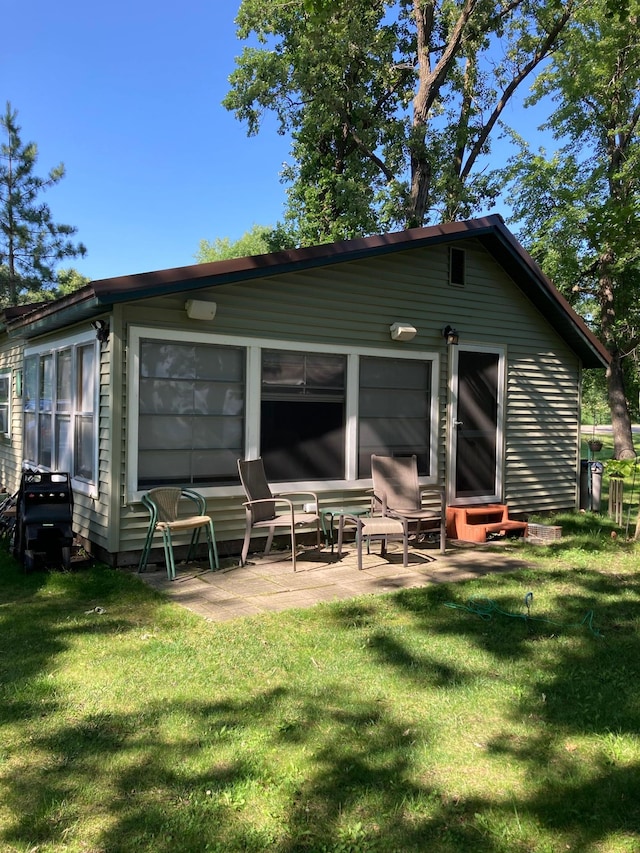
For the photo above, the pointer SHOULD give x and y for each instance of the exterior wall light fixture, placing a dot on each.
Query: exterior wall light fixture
(102, 330)
(200, 309)
(451, 336)
(402, 331)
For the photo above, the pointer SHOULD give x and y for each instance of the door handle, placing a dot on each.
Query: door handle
(458, 423)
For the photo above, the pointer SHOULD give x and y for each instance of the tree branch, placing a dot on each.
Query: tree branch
(546, 48)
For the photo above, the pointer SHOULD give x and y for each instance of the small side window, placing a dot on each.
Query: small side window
(60, 410)
(5, 404)
(457, 271)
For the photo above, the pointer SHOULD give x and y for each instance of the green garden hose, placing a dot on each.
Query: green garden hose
(485, 608)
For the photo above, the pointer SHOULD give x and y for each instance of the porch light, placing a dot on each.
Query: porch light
(402, 331)
(200, 309)
(101, 328)
(451, 336)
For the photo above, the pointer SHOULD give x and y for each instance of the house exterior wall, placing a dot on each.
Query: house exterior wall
(11, 445)
(542, 418)
(347, 307)
(351, 306)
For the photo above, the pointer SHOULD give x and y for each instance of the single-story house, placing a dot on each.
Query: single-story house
(446, 341)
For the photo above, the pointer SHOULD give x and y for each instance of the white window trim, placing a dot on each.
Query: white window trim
(254, 347)
(8, 372)
(85, 487)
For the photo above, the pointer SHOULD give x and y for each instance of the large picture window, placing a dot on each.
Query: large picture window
(191, 413)
(314, 414)
(302, 425)
(60, 420)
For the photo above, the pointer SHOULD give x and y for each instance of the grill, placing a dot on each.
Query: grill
(44, 519)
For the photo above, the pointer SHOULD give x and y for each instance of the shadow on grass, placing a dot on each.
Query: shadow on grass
(581, 656)
(40, 612)
(227, 776)
(151, 801)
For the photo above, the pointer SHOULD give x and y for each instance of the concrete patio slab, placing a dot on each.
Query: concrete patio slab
(268, 584)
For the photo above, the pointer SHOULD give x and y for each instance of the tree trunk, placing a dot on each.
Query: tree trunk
(420, 190)
(620, 418)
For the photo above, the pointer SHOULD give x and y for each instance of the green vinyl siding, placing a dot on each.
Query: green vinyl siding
(347, 306)
(352, 305)
(11, 445)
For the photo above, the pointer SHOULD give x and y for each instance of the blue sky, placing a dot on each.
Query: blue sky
(128, 96)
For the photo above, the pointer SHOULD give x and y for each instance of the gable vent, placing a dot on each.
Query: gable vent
(457, 266)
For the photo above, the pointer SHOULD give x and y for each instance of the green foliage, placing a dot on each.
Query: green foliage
(580, 207)
(583, 202)
(621, 467)
(31, 243)
(69, 280)
(259, 240)
(66, 281)
(595, 408)
(390, 105)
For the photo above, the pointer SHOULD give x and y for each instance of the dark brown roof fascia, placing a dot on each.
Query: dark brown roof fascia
(155, 283)
(547, 298)
(94, 298)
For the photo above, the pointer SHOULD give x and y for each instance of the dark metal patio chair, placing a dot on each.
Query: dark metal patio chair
(262, 509)
(397, 493)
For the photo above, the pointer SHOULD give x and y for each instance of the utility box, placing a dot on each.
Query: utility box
(596, 469)
(590, 484)
(44, 520)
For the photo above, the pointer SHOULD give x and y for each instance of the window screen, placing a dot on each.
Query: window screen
(303, 415)
(191, 413)
(395, 411)
(60, 421)
(5, 403)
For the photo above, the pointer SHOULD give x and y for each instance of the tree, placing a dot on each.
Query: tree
(390, 104)
(31, 244)
(580, 208)
(68, 281)
(256, 241)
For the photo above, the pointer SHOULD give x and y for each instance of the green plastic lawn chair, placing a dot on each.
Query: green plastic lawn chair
(163, 504)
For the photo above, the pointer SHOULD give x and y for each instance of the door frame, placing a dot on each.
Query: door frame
(452, 431)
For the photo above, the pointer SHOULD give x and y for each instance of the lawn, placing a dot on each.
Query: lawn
(499, 715)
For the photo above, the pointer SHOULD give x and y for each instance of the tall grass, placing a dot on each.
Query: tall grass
(404, 722)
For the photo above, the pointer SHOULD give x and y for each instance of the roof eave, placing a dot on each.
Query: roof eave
(98, 296)
(546, 297)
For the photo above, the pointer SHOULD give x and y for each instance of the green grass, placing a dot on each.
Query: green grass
(386, 723)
